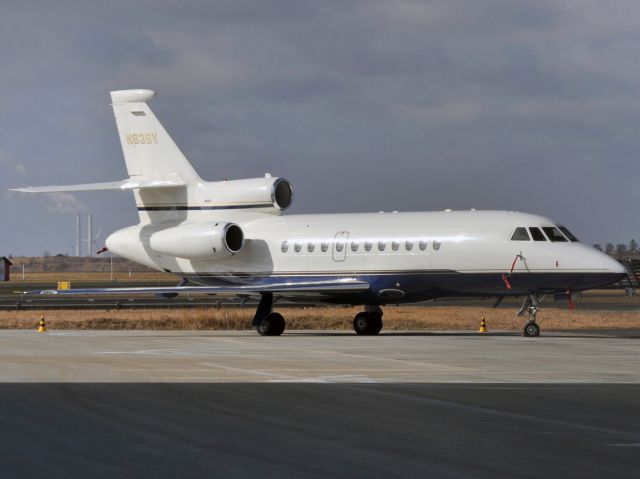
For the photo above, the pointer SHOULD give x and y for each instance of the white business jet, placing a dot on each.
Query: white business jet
(231, 237)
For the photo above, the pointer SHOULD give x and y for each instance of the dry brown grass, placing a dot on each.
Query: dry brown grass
(395, 318)
(86, 277)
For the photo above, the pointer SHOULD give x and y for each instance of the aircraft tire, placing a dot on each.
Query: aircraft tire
(272, 324)
(367, 323)
(531, 330)
(376, 323)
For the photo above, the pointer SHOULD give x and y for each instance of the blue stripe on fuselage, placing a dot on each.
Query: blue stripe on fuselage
(424, 286)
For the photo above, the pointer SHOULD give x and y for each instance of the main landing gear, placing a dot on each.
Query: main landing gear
(530, 309)
(368, 322)
(267, 322)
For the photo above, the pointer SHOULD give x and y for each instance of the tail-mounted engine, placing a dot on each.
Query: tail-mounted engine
(253, 192)
(199, 241)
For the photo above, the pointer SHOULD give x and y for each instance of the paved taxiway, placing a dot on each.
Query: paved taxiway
(242, 356)
(217, 404)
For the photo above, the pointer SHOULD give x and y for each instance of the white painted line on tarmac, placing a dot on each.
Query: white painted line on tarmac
(254, 372)
(347, 378)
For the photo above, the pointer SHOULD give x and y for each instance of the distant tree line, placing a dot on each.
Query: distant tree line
(619, 249)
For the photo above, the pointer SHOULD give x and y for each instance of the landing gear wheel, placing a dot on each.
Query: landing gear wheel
(367, 323)
(360, 323)
(375, 323)
(271, 325)
(531, 330)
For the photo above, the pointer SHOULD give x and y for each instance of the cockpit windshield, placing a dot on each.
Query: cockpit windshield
(553, 234)
(568, 234)
(520, 234)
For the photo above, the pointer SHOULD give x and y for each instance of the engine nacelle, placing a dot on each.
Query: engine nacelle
(199, 240)
(258, 192)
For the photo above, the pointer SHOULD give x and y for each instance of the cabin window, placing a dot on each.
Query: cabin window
(311, 247)
(520, 234)
(422, 245)
(368, 245)
(297, 247)
(537, 235)
(284, 247)
(569, 234)
(408, 245)
(339, 246)
(324, 247)
(395, 245)
(436, 245)
(553, 234)
(381, 245)
(354, 246)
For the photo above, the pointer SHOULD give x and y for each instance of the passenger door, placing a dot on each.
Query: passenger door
(339, 250)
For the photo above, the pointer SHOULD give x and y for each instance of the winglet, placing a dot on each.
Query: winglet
(132, 96)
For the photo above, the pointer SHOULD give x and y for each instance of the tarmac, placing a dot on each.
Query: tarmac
(315, 356)
(319, 404)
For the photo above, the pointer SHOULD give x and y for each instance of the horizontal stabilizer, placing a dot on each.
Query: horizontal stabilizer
(345, 285)
(130, 184)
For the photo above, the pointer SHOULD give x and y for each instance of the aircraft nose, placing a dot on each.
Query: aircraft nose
(605, 270)
(622, 269)
(617, 267)
(616, 271)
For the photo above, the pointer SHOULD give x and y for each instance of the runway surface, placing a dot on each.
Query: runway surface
(309, 404)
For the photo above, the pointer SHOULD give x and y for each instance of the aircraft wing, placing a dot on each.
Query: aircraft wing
(130, 184)
(341, 285)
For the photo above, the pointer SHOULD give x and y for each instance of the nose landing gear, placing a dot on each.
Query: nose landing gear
(531, 329)
(530, 309)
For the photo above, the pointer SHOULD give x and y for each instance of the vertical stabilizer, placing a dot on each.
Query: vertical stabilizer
(149, 151)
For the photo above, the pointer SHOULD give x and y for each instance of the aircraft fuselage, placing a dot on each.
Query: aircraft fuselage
(405, 257)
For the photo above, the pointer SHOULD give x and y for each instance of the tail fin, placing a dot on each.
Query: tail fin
(149, 151)
(159, 174)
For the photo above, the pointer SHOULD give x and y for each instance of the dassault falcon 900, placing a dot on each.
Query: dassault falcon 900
(231, 237)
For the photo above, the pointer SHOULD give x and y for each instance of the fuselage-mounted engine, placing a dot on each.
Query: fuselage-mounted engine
(199, 241)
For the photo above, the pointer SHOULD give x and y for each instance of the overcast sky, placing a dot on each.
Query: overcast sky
(363, 105)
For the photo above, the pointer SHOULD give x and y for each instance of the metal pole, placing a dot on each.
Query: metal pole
(78, 235)
(89, 236)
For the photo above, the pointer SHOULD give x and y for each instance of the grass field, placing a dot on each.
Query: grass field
(417, 318)
(93, 277)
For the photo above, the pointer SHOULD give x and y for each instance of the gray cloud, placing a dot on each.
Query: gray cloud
(363, 105)
(64, 203)
(8, 163)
